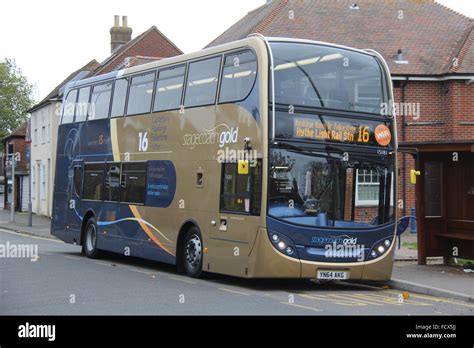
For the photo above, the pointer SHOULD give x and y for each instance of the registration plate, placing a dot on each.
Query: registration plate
(333, 275)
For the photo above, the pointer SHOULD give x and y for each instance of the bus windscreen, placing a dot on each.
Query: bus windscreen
(310, 75)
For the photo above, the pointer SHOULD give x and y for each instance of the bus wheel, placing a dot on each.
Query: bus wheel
(89, 246)
(192, 253)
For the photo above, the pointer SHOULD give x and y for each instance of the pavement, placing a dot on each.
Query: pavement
(433, 279)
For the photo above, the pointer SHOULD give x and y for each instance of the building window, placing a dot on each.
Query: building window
(202, 82)
(367, 188)
(241, 192)
(93, 181)
(141, 92)
(43, 182)
(238, 78)
(33, 181)
(43, 134)
(133, 183)
(169, 87)
(48, 130)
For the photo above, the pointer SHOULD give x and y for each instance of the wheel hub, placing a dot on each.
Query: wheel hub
(193, 251)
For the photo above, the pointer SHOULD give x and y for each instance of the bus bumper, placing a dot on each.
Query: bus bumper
(267, 262)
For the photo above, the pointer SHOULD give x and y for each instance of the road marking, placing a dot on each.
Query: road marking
(301, 306)
(436, 299)
(377, 299)
(42, 252)
(343, 302)
(235, 291)
(183, 280)
(366, 299)
(103, 263)
(139, 271)
(30, 236)
(75, 258)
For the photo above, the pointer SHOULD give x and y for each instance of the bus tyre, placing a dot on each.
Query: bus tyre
(89, 245)
(192, 253)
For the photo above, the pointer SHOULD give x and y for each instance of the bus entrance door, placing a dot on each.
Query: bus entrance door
(74, 200)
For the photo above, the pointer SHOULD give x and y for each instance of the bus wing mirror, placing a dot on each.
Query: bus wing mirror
(413, 174)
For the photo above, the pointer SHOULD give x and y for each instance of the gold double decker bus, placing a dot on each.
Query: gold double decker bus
(264, 157)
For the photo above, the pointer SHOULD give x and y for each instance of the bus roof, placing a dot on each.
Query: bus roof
(251, 40)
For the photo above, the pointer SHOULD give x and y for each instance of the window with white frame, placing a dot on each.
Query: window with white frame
(367, 188)
(43, 129)
(48, 130)
(33, 181)
(43, 181)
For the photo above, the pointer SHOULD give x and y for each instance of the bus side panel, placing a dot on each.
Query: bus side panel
(60, 199)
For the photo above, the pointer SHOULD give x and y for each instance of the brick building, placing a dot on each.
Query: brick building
(430, 51)
(14, 143)
(149, 46)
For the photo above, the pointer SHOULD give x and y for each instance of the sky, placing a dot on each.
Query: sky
(49, 39)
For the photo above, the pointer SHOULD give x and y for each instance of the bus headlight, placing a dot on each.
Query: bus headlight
(373, 254)
(283, 244)
(381, 249)
(387, 243)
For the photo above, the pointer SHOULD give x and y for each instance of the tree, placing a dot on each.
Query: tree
(15, 97)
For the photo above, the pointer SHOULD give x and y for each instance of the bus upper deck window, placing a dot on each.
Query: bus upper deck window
(169, 87)
(202, 82)
(69, 106)
(141, 92)
(82, 104)
(120, 95)
(100, 101)
(238, 78)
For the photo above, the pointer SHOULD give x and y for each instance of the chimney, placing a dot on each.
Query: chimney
(119, 34)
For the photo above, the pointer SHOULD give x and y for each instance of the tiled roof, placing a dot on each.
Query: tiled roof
(123, 51)
(134, 61)
(91, 66)
(430, 35)
(117, 58)
(18, 132)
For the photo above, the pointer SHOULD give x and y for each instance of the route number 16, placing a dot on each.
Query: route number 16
(142, 141)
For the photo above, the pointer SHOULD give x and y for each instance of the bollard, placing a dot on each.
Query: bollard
(413, 221)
